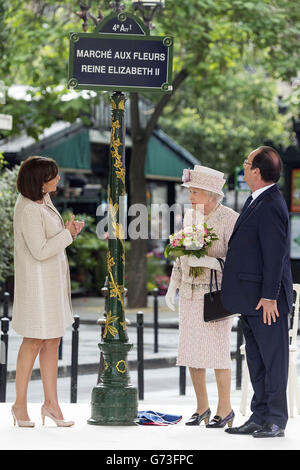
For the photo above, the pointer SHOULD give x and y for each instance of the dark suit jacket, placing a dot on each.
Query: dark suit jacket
(258, 262)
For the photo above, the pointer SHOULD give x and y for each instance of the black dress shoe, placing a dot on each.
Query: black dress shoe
(247, 428)
(269, 430)
(196, 419)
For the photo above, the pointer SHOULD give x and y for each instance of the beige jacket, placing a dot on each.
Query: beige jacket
(42, 296)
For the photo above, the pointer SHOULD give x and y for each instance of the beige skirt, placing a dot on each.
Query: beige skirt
(202, 345)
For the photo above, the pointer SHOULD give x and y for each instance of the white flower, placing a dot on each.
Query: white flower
(188, 229)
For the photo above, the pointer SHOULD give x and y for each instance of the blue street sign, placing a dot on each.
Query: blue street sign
(124, 63)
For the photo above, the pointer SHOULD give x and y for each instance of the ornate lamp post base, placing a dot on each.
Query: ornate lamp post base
(104, 412)
(114, 401)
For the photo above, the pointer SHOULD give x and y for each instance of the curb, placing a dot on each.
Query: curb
(91, 368)
(164, 324)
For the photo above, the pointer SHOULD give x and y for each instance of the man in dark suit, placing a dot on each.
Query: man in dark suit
(257, 282)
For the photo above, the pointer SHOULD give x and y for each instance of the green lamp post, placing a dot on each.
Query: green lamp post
(114, 399)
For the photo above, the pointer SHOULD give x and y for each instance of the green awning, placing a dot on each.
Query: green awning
(165, 159)
(74, 152)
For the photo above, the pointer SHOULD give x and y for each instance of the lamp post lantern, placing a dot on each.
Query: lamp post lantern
(117, 6)
(148, 8)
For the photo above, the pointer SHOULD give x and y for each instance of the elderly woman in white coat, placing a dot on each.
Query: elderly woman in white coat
(42, 302)
(204, 345)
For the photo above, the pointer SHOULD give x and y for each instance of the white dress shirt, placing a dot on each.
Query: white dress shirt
(259, 191)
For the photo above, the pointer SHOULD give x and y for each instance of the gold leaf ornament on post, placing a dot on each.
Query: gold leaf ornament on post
(116, 143)
(121, 366)
(109, 328)
(115, 290)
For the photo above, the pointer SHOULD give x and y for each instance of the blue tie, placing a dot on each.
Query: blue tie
(247, 203)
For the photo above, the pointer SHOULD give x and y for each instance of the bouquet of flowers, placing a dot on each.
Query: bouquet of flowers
(191, 240)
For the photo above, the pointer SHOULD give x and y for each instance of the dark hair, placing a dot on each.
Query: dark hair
(269, 162)
(33, 173)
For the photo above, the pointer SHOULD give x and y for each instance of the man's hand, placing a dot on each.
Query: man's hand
(270, 311)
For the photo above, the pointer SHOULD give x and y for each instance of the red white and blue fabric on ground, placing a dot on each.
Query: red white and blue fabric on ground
(157, 419)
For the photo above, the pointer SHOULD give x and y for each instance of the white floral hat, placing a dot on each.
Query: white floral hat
(204, 178)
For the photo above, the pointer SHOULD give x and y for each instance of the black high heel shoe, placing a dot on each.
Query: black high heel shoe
(196, 419)
(218, 422)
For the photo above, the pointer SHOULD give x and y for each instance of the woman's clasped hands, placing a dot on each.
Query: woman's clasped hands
(74, 226)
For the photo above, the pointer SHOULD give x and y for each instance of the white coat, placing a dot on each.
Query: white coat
(42, 293)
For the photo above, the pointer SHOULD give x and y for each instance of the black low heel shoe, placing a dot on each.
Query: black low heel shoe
(218, 422)
(196, 419)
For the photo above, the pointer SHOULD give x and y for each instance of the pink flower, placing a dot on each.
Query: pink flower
(186, 176)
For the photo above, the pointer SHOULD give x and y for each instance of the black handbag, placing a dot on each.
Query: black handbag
(213, 307)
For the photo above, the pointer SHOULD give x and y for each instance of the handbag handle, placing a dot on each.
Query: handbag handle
(213, 273)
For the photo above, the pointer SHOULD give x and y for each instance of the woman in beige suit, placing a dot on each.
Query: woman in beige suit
(42, 302)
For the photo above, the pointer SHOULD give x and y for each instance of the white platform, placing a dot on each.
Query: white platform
(176, 437)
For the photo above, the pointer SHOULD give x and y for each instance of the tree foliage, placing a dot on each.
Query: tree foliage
(223, 125)
(227, 105)
(35, 55)
(8, 196)
(221, 33)
(211, 36)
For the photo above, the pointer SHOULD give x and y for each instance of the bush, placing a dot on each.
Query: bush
(156, 271)
(87, 256)
(8, 196)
